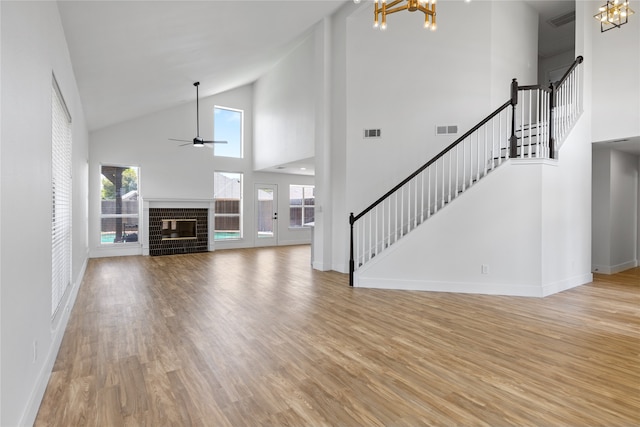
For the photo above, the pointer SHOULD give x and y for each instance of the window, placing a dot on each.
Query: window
(227, 197)
(301, 205)
(227, 126)
(60, 198)
(119, 204)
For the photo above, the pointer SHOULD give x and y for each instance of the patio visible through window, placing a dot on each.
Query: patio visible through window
(119, 212)
(227, 197)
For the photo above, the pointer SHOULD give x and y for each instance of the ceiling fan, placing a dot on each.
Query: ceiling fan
(197, 141)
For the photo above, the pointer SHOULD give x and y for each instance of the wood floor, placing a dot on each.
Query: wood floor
(255, 337)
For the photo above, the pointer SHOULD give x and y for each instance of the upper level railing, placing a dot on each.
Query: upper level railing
(529, 125)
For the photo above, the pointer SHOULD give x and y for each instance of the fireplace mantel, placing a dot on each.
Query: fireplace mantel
(160, 202)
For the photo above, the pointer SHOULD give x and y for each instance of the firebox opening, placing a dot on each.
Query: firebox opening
(178, 229)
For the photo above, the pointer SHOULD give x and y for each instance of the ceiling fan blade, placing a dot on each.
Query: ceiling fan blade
(215, 142)
(188, 143)
(181, 140)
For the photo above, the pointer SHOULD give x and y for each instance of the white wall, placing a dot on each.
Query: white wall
(615, 207)
(406, 80)
(601, 211)
(514, 48)
(495, 223)
(528, 222)
(33, 47)
(615, 55)
(284, 109)
(566, 212)
(624, 217)
(171, 171)
(616, 61)
(546, 66)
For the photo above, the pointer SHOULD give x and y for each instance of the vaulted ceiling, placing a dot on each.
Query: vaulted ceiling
(132, 58)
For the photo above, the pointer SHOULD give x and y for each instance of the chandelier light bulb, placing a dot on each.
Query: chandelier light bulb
(613, 14)
(382, 8)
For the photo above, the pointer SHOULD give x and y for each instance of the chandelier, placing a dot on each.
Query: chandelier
(613, 14)
(382, 9)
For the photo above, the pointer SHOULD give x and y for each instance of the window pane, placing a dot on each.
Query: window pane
(119, 205)
(301, 205)
(227, 126)
(295, 216)
(227, 196)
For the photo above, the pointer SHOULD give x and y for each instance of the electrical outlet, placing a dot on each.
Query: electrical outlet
(485, 269)
(35, 351)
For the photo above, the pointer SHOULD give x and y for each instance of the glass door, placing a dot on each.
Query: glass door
(266, 197)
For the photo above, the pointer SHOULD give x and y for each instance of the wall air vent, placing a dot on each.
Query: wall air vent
(563, 19)
(446, 129)
(372, 133)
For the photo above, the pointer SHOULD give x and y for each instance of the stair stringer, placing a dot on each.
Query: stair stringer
(496, 224)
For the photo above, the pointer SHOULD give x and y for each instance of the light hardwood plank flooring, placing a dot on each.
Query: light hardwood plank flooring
(256, 337)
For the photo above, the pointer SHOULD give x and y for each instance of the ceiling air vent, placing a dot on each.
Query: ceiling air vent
(372, 133)
(446, 129)
(563, 19)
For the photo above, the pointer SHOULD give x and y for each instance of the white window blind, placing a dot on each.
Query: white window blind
(60, 198)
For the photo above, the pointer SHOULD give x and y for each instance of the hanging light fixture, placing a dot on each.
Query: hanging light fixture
(613, 14)
(382, 9)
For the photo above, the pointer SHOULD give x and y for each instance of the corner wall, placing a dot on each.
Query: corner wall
(33, 47)
(616, 178)
(616, 61)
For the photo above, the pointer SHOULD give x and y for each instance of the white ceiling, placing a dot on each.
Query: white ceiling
(626, 145)
(553, 40)
(132, 58)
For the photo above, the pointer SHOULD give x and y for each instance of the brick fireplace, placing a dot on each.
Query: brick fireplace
(167, 221)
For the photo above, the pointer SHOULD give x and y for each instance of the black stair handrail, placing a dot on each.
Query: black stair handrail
(513, 101)
(577, 62)
(353, 219)
(433, 160)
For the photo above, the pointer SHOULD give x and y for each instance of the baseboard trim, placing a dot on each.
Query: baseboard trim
(57, 333)
(613, 269)
(475, 288)
(454, 287)
(563, 285)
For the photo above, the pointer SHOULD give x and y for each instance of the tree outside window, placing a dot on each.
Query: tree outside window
(120, 204)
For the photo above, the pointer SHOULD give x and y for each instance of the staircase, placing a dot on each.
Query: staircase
(533, 123)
